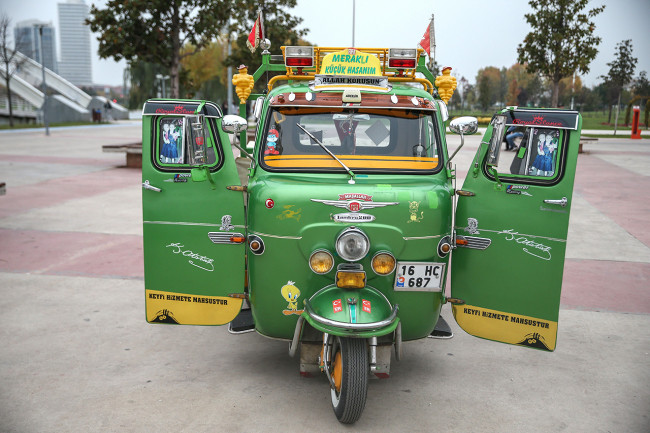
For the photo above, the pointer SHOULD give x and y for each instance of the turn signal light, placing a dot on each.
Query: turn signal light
(300, 62)
(321, 262)
(350, 280)
(383, 263)
(402, 58)
(298, 56)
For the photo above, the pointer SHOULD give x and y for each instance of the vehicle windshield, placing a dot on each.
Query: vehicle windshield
(364, 139)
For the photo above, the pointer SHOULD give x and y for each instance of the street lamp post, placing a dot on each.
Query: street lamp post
(162, 78)
(44, 85)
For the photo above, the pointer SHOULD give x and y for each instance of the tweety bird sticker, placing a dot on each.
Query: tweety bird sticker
(291, 294)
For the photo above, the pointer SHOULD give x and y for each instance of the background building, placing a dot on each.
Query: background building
(26, 36)
(75, 65)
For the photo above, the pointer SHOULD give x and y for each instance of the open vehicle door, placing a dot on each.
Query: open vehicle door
(511, 225)
(193, 227)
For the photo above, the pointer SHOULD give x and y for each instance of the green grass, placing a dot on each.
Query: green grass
(590, 119)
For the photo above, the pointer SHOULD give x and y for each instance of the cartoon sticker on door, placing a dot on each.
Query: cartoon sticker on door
(171, 141)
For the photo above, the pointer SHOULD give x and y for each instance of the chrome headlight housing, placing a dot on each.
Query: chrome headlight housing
(352, 244)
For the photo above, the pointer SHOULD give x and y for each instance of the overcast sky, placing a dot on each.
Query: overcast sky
(470, 34)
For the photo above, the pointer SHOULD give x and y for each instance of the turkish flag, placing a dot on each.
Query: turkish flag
(425, 42)
(256, 35)
(428, 41)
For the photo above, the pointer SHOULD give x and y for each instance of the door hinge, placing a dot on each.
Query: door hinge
(455, 301)
(237, 188)
(465, 193)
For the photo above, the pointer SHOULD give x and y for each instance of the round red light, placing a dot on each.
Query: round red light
(270, 203)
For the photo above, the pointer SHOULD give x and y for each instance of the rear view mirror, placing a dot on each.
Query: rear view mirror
(463, 125)
(257, 109)
(466, 125)
(233, 124)
(357, 117)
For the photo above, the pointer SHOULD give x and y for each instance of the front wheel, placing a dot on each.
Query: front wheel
(350, 376)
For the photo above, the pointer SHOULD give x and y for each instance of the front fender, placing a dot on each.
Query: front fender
(360, 313)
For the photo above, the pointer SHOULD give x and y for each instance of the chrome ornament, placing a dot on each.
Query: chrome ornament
(355, 205)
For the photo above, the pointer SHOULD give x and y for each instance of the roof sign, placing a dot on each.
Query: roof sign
(351, 68)
(350, 62)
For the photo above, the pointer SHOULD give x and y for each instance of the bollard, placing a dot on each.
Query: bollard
(636, 132)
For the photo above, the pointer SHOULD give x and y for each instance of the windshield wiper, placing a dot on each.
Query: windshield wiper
(351, 181)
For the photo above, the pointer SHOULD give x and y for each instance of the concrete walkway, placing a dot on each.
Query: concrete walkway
(77, 355)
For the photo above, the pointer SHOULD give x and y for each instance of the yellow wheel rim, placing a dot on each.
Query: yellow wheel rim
(337, 371)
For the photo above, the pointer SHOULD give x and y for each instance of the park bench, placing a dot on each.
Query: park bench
(133, 152)
(584, 140)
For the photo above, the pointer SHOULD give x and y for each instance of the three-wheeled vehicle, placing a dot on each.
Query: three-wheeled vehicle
(335, 231)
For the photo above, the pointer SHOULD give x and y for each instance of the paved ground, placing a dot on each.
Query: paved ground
(76, 354)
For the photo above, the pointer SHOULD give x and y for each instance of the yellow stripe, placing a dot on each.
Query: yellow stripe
(352, 161)
(506, 327)
(343, 157)
(186, 309)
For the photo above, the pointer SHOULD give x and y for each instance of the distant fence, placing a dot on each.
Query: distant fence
(19, 105)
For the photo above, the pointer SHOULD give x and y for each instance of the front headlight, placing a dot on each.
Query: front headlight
(383, 263)
(352, 244)
(321, 261)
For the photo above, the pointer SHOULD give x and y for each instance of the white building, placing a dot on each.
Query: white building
(75, 64)
(28, 42)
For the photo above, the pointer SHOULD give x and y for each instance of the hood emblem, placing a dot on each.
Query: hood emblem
(355, 205)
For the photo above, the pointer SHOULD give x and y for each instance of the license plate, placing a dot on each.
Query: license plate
(418, 276)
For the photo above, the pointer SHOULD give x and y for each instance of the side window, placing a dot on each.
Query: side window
(172, 149)
(526, 152)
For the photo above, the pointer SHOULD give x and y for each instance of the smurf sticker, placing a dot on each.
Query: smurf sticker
(291, 294)
(272, 147)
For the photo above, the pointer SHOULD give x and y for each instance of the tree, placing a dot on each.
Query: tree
(568, 88)
(489, 82)
(143, 81)
(641, 88)
(621, 71)
(207, 75)
(155, 31)
(528, 89)
(10, 64)
(561, 42)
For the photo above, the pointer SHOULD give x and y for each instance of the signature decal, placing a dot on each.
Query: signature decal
(537, 250)
(203, 262)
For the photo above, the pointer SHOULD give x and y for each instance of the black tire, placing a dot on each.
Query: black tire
(349, 402)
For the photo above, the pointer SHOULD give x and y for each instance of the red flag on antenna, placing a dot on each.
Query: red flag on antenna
(256, 35)
(428, 40)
